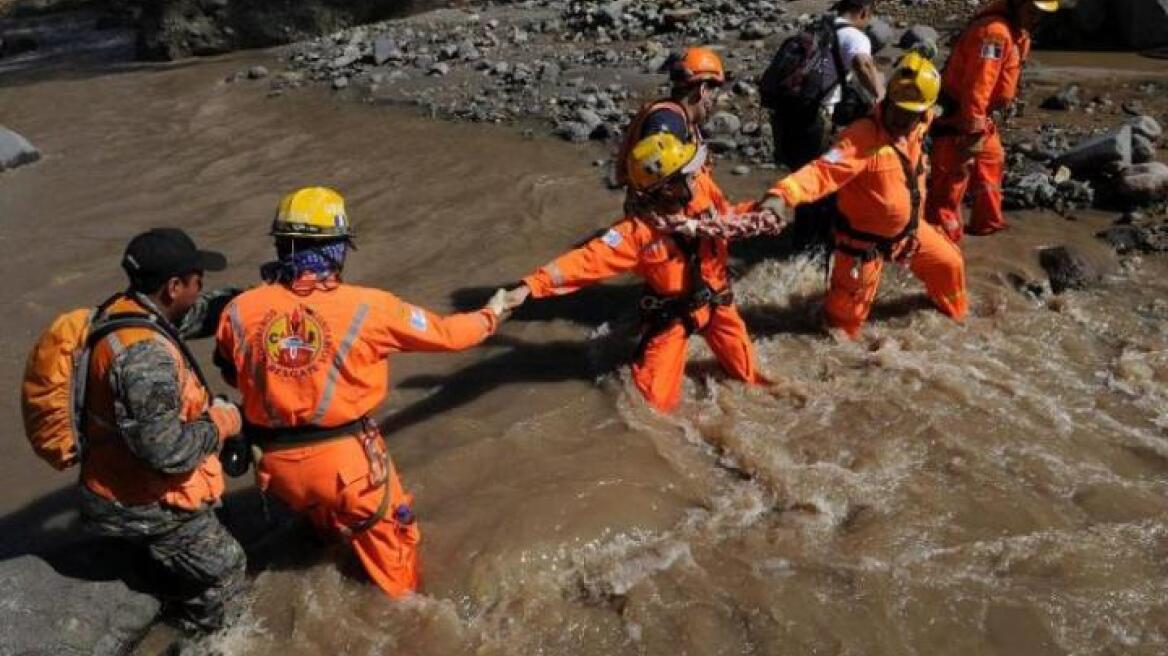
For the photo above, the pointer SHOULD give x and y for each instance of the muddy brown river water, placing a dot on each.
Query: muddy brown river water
(994, 488)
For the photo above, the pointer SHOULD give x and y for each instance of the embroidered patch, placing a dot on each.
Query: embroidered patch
(833, 156)
(612, 238)
(294, 342)
(992, 50)
(418, 320)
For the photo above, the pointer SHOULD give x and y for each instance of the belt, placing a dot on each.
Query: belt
(301, 435)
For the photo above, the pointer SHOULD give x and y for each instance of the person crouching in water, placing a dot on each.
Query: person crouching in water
(310, 356)
(674, 235)
(878, 168)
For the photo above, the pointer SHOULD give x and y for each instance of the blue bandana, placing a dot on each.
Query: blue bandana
(320, 260)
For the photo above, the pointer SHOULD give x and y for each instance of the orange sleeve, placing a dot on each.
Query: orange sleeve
(834, 169)
(225, 343)
(1007, 87)
(405, 327)
(616, 251)
(986, 51)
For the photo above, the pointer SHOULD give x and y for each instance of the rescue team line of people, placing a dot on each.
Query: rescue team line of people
(116, 391)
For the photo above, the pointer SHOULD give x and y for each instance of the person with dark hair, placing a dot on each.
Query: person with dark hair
(981, 77)
(149, 469)
(824, 61)
(310, 355)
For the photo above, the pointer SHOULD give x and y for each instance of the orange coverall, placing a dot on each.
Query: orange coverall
(867, 170)
(321, 360)
(632, 245)
(981, 76)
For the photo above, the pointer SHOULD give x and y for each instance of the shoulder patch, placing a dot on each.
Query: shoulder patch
(418, 320)
(613, 238)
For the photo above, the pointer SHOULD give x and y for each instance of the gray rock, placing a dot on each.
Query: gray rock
(724, 124)
(257, 72)
(589, 118)
(1066, 268)
(340, 82)
(918, 35)
(573, 131)
(1144, 183)
(386, 49)
(15, 150)
(1093, 155)
(1146, 126)
(1143, 150)
(439, 69)
(1125, 238)
(46, 613)
(740, 169)
(1064, 100)
(467, 51)
(755, 30)
(881, 34)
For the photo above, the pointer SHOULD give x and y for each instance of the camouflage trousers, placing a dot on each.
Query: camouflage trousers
(196, 566)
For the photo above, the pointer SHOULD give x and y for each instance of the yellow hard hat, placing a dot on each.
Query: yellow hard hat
(659, 157)
(312, 213)
(1047, 5)
(914, 84)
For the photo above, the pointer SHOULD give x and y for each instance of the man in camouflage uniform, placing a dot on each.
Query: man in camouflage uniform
(150, 473)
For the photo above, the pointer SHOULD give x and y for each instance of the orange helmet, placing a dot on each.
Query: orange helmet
(698, 65)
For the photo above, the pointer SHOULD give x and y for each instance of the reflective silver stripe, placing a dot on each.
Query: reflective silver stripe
(259, 367)
(241, 345)
(342, 353)
(553, 270)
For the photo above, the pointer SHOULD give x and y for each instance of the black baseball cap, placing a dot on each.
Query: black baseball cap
(157, 255)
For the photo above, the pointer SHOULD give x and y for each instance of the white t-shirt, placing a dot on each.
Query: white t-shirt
(852, 42)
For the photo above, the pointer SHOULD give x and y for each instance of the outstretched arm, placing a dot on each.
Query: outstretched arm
(616, 251)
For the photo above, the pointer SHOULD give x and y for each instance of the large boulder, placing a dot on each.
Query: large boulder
(1067, 269)
(1142, 23)
(1093, 24)
(15, 150)
(44, 612)
(1144, 183)
(1094, 155)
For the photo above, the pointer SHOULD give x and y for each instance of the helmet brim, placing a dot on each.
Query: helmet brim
(914, 107)
(1049, 6)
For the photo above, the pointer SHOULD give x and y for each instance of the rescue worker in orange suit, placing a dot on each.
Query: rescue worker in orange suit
(309, 354)
(695, 79)
(877, 169)
(688, 286)
(980, 78)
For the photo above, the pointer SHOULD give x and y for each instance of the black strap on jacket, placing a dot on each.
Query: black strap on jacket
(660, 312)
(300, 435)
(883, 246)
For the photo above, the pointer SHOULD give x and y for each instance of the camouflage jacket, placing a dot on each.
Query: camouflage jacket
(148, 401)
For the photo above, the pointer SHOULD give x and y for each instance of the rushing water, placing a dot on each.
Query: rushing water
(993, 488)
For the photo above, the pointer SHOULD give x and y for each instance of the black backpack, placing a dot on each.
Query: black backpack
(806, 68)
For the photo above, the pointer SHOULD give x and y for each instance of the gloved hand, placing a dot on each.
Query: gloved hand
(226, 417)
(498, 305)
(779, 207)
(516, 297)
